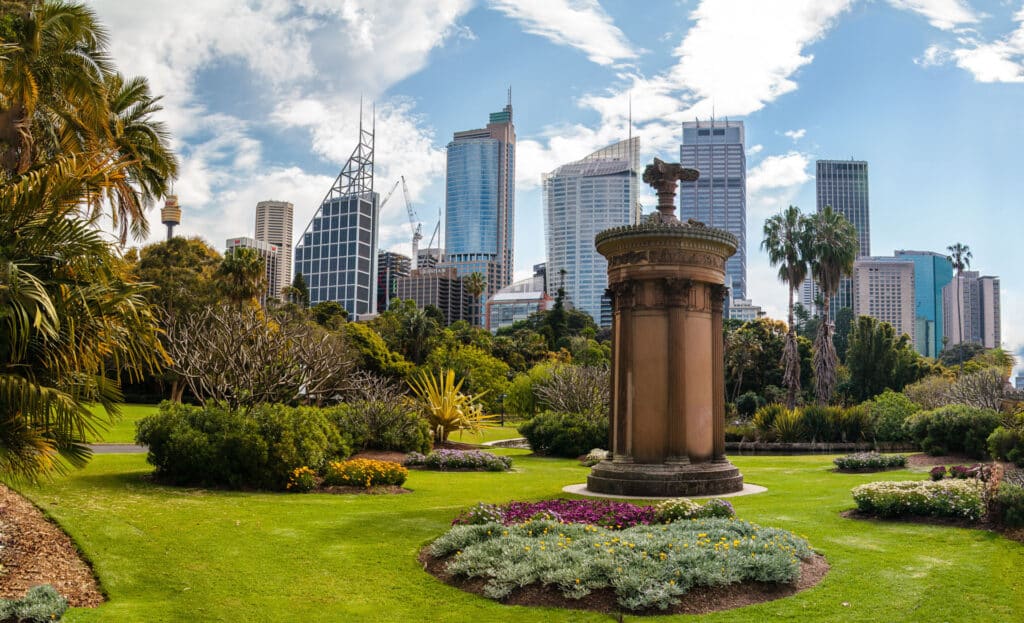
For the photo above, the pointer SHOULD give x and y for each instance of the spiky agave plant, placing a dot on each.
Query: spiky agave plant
(446, 407)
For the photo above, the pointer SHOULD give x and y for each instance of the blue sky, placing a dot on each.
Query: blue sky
(263, 99)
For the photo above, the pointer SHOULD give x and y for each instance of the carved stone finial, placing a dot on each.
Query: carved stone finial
(662, 176)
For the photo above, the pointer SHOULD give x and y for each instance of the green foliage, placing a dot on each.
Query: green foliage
(844, 327)
(931, 392)
(870, 461)
(396, 425)
(764, 418)
(958, 354)
(181, 269)
(1009, 504)
(741, 432)
(242, 275)
(818, 423)
(747, 404)
(942, 498)
(675, 510)
(41, 604)
(788, 426)
(479, 373)
(302, 480)
(373, 354)
(329, 314)
(1007, 444)
(556, 325)
(565, 434)
(954, 429)
(878, 359)
(645, 568)
(888, 413)
(521, 398)
(215, 446)
(364, 473)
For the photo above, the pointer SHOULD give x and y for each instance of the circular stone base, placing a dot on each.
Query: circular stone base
(664, 480)
(581, 489)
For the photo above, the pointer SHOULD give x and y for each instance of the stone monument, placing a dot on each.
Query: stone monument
(666, 279)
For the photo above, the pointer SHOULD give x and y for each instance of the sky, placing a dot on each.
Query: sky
(263, 100)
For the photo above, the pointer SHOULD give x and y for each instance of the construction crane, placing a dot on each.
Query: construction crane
(417, 228)
(380, 206)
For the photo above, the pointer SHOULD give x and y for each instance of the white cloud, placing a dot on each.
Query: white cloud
(754, 150)
(796, 135)
(999, 60)
(942, 14)
(775, 172)
(581, 24)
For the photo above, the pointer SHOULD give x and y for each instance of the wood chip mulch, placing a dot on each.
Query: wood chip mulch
(34, 550)
(925, 460)
(700, 600)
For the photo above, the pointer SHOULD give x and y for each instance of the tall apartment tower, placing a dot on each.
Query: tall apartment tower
(480, 201)
(272, 259)
(274, 226)
(390, 266)
(719, 197)
(932, 271)
(337, 252)
(581, 199)
(843, 185)
(974, 312)
(883, 288)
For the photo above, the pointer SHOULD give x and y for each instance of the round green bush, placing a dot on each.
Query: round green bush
(565, 434)
(1007, 444)
(888, 413)
(953, 429)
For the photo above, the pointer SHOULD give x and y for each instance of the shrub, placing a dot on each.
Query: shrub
(446, 408)
(381, 417)
(564, 434)
(474, 460)
(364, 473)
(480, 514)
(741, 432)
(575, 389)
(748, 403)
(931, 392)
(1007, 444)
(215, 446)
(302, 480)
(645, 568)
(943, 498)
(853, 424)
(675, 510)
(1009, 504)
(888, 413)
(870, 460)
(764, 419)
(715, 508)
(818, 423)
(789, 426)
(976, 471)
(612, 515)
(938, 472)
(953, 429)
(41, 604)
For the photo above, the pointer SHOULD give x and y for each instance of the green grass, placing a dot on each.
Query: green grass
(122, 429)
(167, 554)
(488, 434)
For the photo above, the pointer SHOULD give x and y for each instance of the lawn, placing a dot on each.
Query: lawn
(166, 554)
(122, 429)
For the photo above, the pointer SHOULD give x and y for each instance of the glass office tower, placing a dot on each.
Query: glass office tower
(581, 199)
(932, 272)
(843, 184)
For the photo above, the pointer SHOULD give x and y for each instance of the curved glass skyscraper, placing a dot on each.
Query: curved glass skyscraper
(581, 199)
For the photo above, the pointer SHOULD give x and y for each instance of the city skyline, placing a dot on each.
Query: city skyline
(253, 121)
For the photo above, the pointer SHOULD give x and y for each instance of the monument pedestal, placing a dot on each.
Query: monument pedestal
(666, 279)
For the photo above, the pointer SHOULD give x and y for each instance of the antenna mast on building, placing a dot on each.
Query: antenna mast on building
(356, 177)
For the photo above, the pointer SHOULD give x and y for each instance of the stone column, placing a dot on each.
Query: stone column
(667, 405)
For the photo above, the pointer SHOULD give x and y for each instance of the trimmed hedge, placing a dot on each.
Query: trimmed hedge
(566, 435)
(378, 425)
(470, 460)
(215, 446)
(954, 429)
(870, 461)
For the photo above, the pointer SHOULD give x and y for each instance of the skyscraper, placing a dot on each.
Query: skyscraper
(719, 197)
(843, 185)
(974, 314)
(883, 288)
(337, 253)
(274, 226)
(932, 271)
(390, 266)
(581, 199)
(271, 255)
(480, 201)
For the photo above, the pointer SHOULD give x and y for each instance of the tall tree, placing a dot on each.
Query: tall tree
(242, 275)
(878, 359)
(833, 249)
(744, 347)
(476, 285)
(960, 258)
(787, 242)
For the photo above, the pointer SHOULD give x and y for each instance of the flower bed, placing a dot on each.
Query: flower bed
(961, 499)
(610, 515)
(870, 461)
(646, 566)
(468, 460)
(364, 473)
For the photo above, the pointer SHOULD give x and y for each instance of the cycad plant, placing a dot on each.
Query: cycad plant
(447, 409)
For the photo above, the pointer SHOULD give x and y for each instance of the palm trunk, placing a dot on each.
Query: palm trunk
(824, 356)
(791, 360)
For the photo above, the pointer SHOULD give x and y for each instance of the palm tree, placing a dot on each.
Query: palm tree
(787, 242)
(242, 275)
(833, 248)
(476, 285)
(960, 258)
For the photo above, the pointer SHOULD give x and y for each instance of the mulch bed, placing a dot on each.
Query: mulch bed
(699, 600)
(34, 551)
(925, 460)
